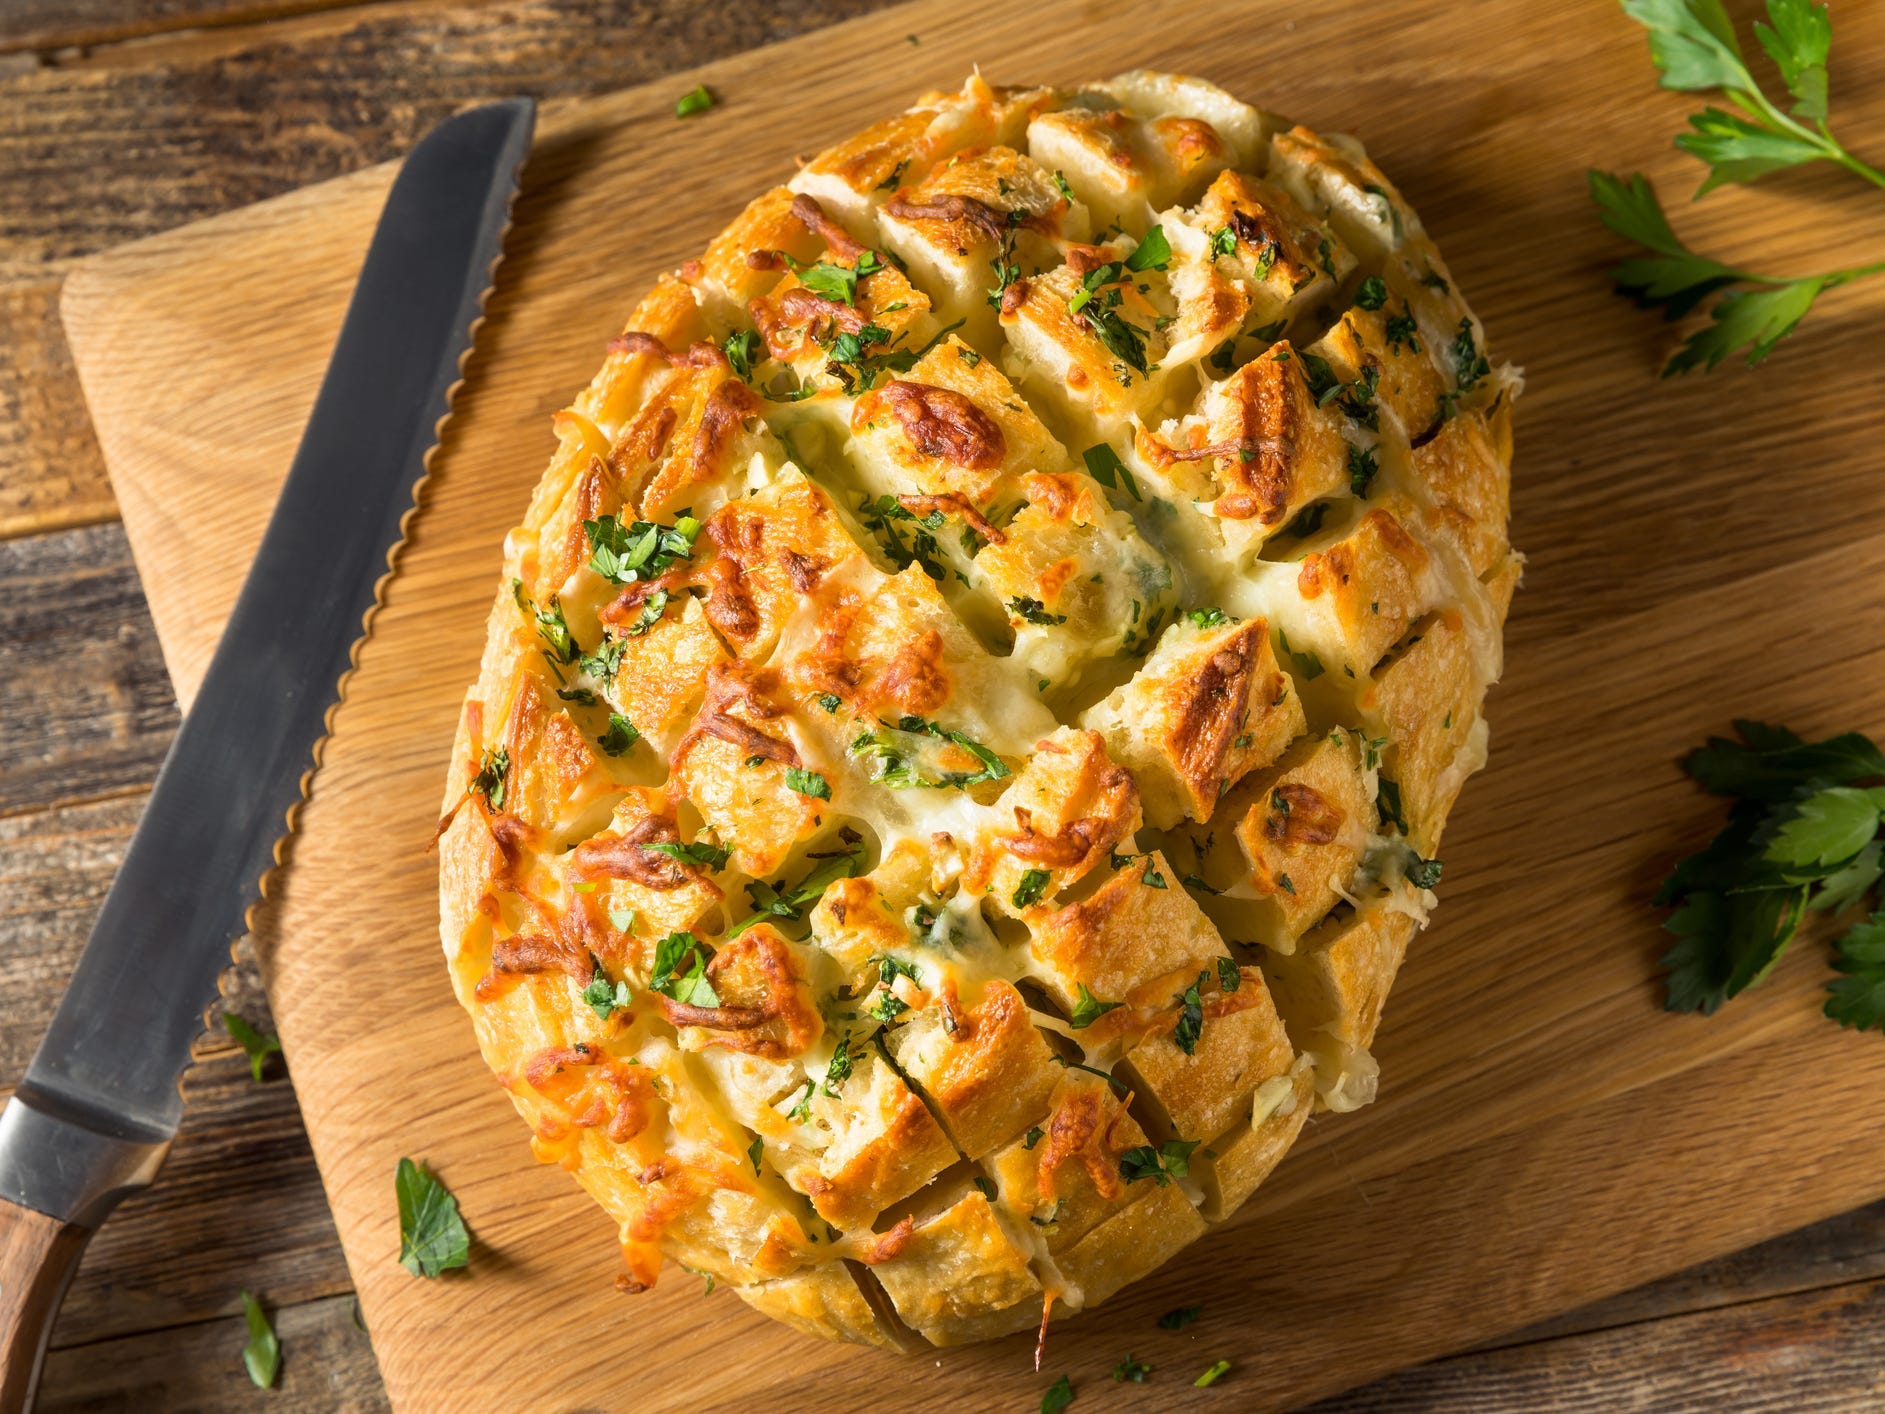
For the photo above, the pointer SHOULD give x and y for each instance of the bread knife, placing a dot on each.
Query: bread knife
(99, 1104)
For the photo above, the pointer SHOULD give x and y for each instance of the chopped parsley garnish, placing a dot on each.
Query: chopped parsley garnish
(1212, 1375)
(1373, 293)
(257, 1045)
(605, 662)
(1423, 873)
(839, 1070)
(1469, 364)
(744, 350)
(493, 776)
(1190, 1017)
(830, 701)
(1361, 470)
(1207, 618)
(756, 1151)
(986, 1185)
(261, 1353)
(1170, 1160)
(1229, 979)
(691, 988)
(621, 735)
(778, 901)
(551, 626)
(1152, 253)
(1059, 1395)
(604, 995)
(837, 283)
(1130, 1370)
(1177, 1320)
(1034, 612)
(641, 550)
(432, 1236)
(1401, 329)
(1104, 466)
(1033, 884)
(1122, 338)
(1388, 803)
(695, 100)
(857, 369)
(700, 852)
(810, 783)
(1223, 241)
(1003, 266)
(891, 764)
(882, 516)
(1033, 1137)
(1089, 1009)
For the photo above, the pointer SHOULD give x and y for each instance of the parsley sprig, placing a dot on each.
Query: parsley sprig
(1803, 834)
(1693, 43)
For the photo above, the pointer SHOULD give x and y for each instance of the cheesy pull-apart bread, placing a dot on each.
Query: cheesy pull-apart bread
(973, 703)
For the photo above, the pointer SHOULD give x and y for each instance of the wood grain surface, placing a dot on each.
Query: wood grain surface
(1545, 1134)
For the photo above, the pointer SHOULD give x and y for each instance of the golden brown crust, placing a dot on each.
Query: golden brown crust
(967, 699)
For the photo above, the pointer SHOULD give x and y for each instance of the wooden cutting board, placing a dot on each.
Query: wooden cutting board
(1545, 1135)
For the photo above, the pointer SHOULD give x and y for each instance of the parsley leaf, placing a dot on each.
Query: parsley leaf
(700, 852)
(744, 349)
(1059, 1395)
(774, 901)
(1170, 1160)
(1802, 834)
(605, 996)
(1033, 884)
(1693, 43)
(1212, 1375)
(810, 783)
(695, 100)
(258, 1044)
(1152, 253)
(839, 1069)
(432, 1236)
(1104, 466)
(1858, 997)
(1373, 293)
(690, 988)
(493, 773)
(261, 1354)
(1131, 1370)
(1177, 1320)
(1089, 1008)
(621, 735)
(1828, 827)
(1190, 1017)
(641, 550)
(1034, 612)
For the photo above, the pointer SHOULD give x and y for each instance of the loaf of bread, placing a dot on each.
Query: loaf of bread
(972, 705)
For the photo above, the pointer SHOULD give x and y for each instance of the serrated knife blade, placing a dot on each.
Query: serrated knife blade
(100, 1103)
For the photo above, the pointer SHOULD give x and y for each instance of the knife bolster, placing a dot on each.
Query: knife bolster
(57, 1160)
(38, 1256)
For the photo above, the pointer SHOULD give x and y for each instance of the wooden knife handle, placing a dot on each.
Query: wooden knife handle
(38, 1255)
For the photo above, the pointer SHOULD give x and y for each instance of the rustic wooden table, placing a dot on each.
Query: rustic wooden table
(123, 117)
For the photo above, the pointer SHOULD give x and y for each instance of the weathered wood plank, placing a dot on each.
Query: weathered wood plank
(239, 1203)
(135, 139)
(326, 1365)
(1840, 1250)
(1814, 1350)
(51, 473)
(86, 708)
(57, 24)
